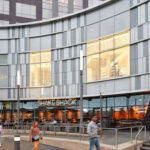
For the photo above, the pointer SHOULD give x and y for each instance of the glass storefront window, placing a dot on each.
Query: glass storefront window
(122, 61)
(106, 65)
(122, 39)
(106, 43)
(93, 68)
(110, 102)
(120, 101)
(132, 101)
(94, 103)
(93, 47)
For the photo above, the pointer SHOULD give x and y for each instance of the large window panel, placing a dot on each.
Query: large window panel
(4, 76)
(93, 47)
(35, 58)
(93, 67)
(34, 74)
(46, 74)
(106, 43)
(46, 56)
(122, 61)
(122, 39)
(107, 65)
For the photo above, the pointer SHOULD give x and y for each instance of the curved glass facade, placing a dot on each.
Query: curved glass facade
(116, 63)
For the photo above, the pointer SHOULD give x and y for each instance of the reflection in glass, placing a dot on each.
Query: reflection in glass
(106, 43)
(106, 65)
(93, 47)
(93, 67)
(122, 61)
(122, 39)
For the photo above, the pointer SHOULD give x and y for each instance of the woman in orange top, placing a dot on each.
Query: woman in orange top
(35, 135)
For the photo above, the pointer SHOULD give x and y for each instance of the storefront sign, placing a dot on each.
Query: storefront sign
(57, 102)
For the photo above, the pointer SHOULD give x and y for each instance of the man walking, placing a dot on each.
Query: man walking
(92, 131)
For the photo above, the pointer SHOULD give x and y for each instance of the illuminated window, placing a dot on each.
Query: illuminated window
(106, 43)
(122, 39)
(107, 69)
(93, 47)
(34, 74)
(108, 58)
(40, 69)
(122, 61)
(93, 67)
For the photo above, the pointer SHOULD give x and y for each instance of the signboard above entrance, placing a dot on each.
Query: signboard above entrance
(58, 102)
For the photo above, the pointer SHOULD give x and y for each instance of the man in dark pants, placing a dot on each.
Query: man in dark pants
(92, 131)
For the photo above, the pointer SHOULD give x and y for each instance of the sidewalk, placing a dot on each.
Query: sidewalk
(7, 144)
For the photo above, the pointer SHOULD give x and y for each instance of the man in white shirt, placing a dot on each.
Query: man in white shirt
(92, 131)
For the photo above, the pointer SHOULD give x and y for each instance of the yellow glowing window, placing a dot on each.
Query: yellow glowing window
(107, 65)
(106, 43)
(35, 74)
(122, 61)
(122, 39)
(93, 47)
(46, 56)
(35, 57)
(45, 74)
(93, 67)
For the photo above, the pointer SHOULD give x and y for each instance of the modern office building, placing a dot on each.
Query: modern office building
(115, 39)
(21, 11)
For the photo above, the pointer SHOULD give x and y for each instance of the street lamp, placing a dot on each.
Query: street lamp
(81, 89)
(18, 98)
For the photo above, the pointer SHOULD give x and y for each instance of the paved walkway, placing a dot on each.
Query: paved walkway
(7, 144)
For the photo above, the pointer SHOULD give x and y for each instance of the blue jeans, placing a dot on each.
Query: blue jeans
(93, 142)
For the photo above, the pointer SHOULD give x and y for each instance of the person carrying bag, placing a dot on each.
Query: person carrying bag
(35, 135)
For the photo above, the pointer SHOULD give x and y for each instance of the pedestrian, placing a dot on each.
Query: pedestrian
(92, 131)
(35, 135)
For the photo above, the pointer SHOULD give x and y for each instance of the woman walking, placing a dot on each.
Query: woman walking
(35, 135)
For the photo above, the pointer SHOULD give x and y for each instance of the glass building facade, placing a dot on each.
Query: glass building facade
(21, 11)
(115, 40)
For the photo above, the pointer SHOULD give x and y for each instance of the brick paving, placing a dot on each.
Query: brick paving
(8, 144)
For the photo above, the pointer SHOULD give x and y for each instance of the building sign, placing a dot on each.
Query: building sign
(58, 102)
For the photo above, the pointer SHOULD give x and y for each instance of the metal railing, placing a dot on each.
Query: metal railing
(126, 134)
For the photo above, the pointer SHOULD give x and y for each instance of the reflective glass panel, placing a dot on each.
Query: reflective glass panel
(122, 39)
(122, 61)
(93, 68)
(93, 47)
(34, 74)
(106, 65)
(45, 74)
(106, 43)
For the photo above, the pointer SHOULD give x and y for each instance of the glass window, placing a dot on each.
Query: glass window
(122, 39)
(93, 67)
(94, 103)
(34, 74)
(121, 101)
(122, 61)
(46, 56)
(132, 101)
(106, 65)
(40, 68)
(93, 47)
(106, 43)
(45, 74)
(110, 102)
(35, 57)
